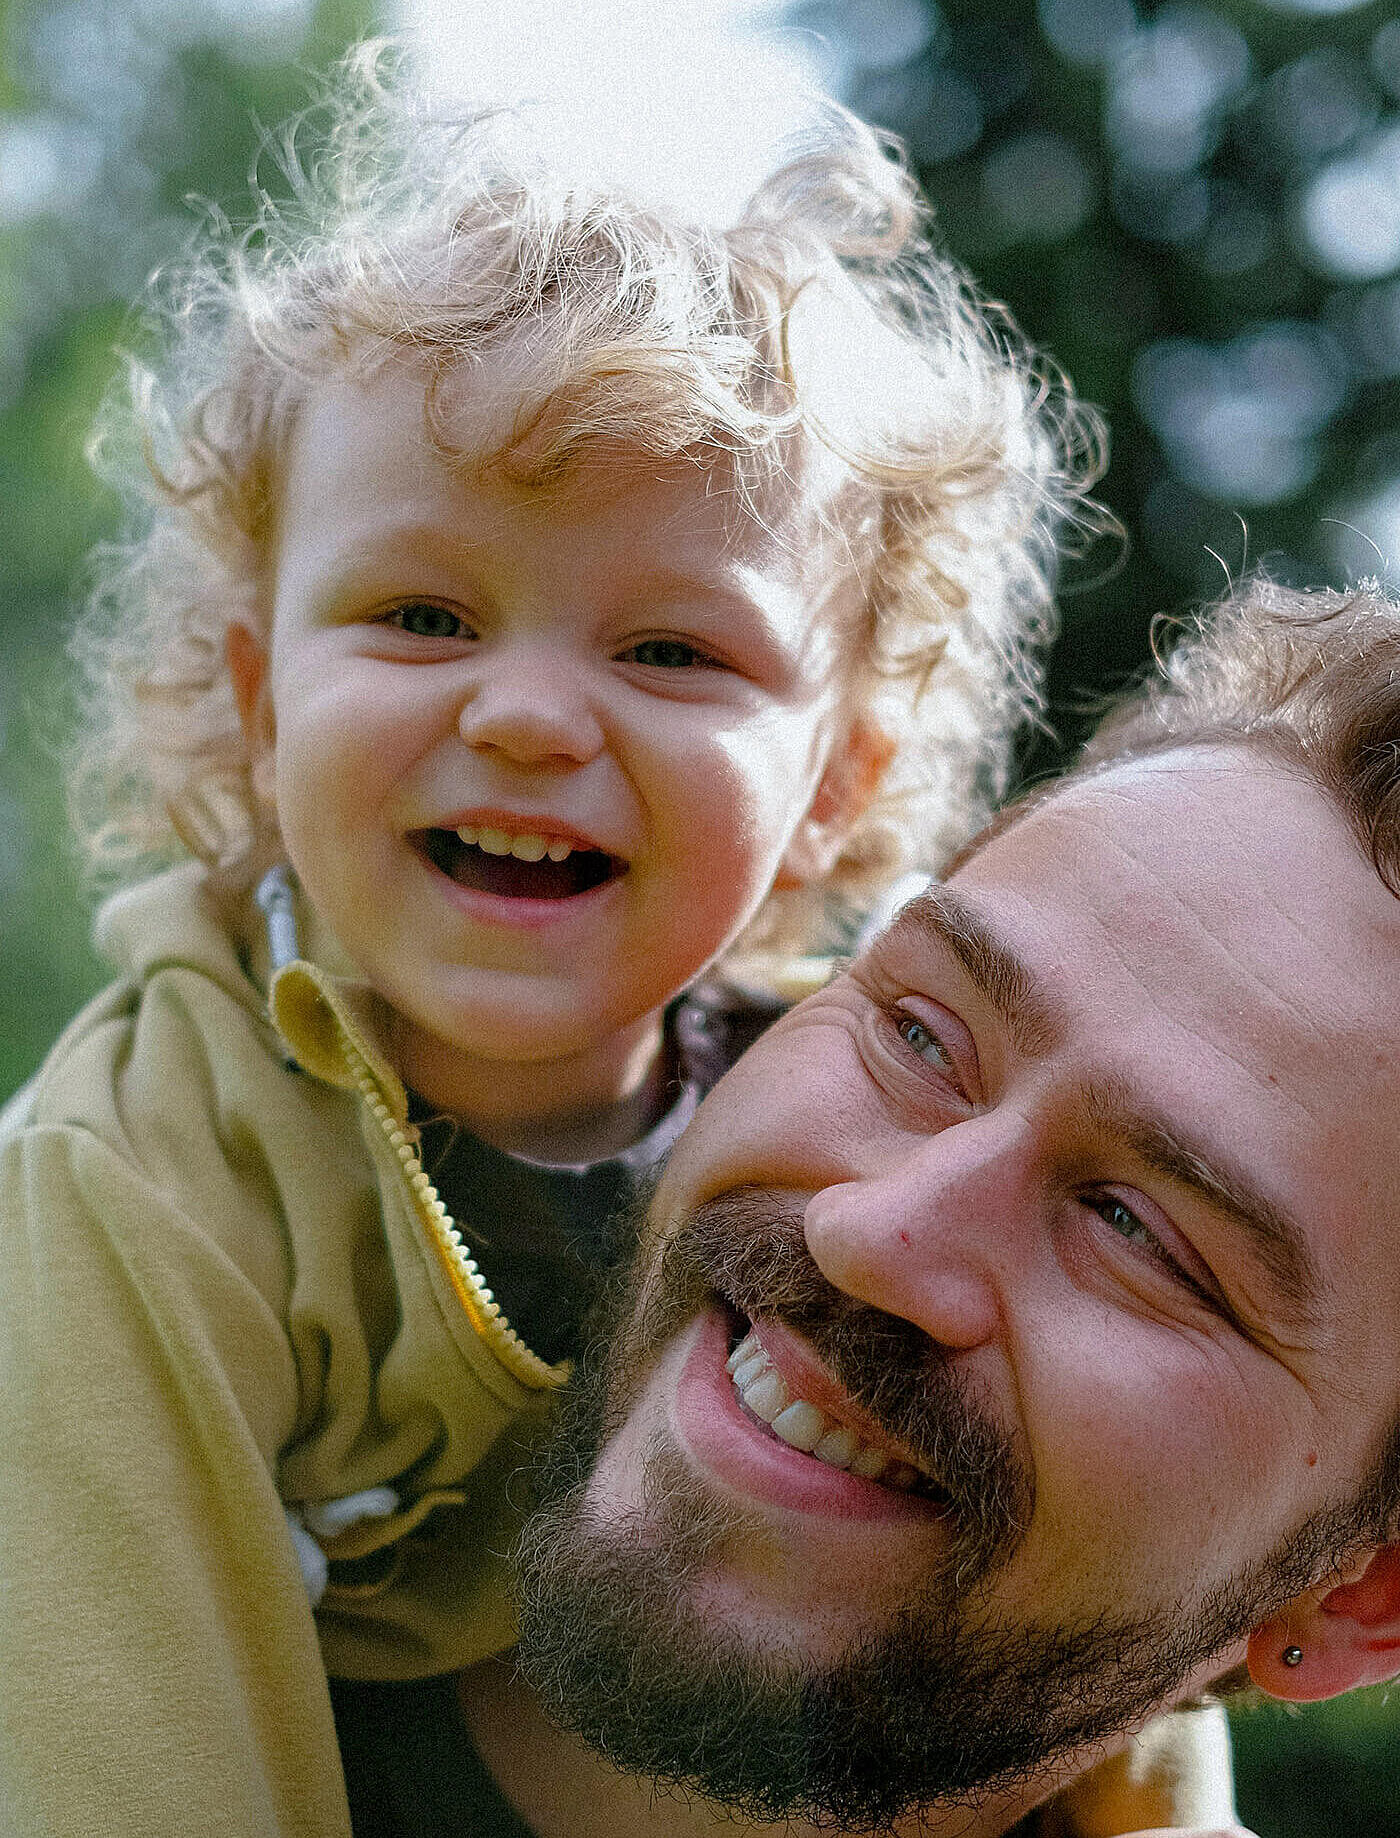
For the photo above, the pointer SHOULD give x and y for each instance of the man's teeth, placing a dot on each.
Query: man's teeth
(764, 1393)
(525, 848)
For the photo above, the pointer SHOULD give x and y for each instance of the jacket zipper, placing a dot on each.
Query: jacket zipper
(482, 1308)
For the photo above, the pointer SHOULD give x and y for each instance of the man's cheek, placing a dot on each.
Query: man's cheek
(637, 1420)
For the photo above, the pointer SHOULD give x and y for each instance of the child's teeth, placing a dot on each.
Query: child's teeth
(526, 848)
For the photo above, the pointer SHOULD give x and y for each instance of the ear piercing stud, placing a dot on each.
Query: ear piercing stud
(1292, 1656)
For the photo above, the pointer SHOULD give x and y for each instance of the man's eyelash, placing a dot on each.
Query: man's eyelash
(1103, 1203)
(907, 1025)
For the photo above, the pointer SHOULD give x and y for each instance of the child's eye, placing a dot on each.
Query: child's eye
(667, 654)
(426, 619)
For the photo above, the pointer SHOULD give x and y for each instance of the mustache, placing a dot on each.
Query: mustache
(748, 1245)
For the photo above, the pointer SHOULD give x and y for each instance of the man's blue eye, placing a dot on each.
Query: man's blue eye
(923, 1041)
(665, 654)
(1120, 1218)
(423, 619)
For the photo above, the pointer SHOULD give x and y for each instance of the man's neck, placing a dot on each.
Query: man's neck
(562, 1789)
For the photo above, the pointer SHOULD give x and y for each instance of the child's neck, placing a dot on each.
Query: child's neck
(579, 1109)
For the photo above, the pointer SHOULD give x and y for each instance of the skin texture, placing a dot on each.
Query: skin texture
(620, 659)
(1078, 1180)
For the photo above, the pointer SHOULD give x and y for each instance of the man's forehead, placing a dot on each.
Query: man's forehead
(1224, 892)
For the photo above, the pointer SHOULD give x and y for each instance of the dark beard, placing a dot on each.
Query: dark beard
(944, 1705)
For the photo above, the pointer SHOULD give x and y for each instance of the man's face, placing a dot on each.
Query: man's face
(1095, 1149)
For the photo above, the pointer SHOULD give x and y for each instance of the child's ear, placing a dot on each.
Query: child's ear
(1335, 1637)
(851, 779)
(247, 668)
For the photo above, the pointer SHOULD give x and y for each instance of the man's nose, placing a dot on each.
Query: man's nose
(532, 707)
(932, 1234)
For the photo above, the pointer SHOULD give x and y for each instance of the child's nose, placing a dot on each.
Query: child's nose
(533, 712)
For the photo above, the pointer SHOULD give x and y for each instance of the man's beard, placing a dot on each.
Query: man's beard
(943, 1704)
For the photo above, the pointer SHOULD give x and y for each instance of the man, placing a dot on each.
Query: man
(1012, 1350)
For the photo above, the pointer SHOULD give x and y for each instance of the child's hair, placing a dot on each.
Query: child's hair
(823, 315)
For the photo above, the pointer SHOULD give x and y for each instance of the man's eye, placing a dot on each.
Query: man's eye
(1123, 1220)
(922, 1040)
(425, 619)
(666, 654)
(1120, 1218)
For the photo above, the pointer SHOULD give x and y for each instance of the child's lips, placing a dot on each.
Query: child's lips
(484, 865)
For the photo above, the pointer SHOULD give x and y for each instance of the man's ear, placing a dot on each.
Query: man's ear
(851, 779)
(247, 669)
(1345, 1634)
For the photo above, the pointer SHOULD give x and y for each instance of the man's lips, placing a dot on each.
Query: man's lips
(739, 1448)
(781, 1381)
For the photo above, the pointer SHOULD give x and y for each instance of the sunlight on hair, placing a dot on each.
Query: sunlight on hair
(685, 103)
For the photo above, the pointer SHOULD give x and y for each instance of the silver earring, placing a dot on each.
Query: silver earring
(1292, 1656)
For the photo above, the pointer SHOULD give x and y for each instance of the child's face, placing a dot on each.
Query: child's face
(635, 701)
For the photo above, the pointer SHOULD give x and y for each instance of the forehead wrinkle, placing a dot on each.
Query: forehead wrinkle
(1277, 1243)
(1035, 1023)
(1206, 920)
(1330, 1033)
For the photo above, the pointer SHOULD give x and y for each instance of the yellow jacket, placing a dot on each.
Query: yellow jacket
(225, 1284)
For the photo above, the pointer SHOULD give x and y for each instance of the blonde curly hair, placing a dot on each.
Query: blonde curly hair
(822, 315)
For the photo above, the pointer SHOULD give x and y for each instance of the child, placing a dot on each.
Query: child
(540, 601)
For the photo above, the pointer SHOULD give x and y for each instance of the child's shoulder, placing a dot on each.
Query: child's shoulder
(168, 1123)
(181, 999)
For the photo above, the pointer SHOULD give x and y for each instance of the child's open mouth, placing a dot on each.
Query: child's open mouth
(525, 866)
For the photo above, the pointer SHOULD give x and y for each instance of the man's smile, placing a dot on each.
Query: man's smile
(778, 1383)
(721, 1418)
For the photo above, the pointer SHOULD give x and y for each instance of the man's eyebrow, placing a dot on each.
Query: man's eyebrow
(1276, 1243)
(1034, 1022)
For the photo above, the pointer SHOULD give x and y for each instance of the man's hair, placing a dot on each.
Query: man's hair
(823, 318)
(1311, 677)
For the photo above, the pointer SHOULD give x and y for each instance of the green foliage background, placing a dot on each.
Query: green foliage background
(1098, 294)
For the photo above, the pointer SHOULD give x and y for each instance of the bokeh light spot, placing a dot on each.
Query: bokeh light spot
(1038, 186)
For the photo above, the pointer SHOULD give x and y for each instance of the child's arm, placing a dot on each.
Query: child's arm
(161, 1669)
(1175, 1775)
